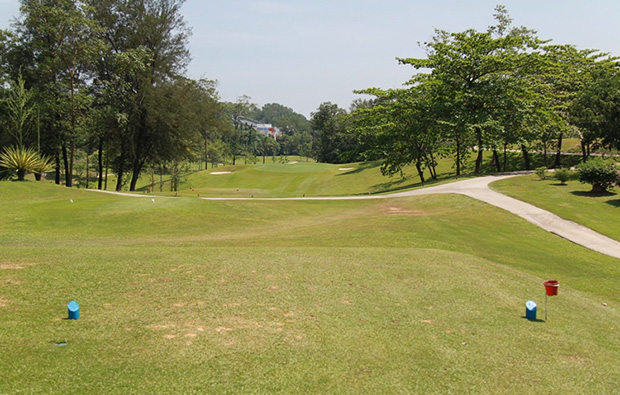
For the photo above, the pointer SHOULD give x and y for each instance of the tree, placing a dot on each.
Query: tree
(236, 112)
(476, 72)
(600, 174)
(20, 108)
(400, 128)
(596, 108)
(150, 37)
(301, 144)
(62, 41)
(333, 143)
(281, 117)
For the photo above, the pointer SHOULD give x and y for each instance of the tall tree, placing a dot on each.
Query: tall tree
(236, 112)
(596, 108)
(154, 33)
(62, 40)
(474, 70)
(333, 143)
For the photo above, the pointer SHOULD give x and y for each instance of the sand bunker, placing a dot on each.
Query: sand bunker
(216, 173)
(346, 168)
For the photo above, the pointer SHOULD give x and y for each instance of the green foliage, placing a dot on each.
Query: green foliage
(602, 175)
(596, 109)
(21, 111)
(334, 144)
(282, 117)
(562, 175)
(21, 160)
(541, 172)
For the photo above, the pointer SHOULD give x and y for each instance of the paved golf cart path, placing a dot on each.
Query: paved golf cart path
(478, 188)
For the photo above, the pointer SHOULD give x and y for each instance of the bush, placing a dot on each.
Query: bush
(541, 172)
(562, 175)
(600, 174)
(20, 160)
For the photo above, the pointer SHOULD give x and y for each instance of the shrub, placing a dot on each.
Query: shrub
(541, 172)
(20, 160)
(43, 165)
(562, 175)
(600, 174)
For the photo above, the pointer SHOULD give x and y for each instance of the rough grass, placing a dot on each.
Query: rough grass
(416, 295)
(572, 201)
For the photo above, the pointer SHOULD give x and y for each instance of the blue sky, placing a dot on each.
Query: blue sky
(302, 53)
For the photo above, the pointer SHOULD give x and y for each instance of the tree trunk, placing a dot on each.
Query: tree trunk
(498, 166)
(107, 162)
(584, 155)
(21, 174)
(458, 157)
(479, 161)
(418, 166)
(479, 157)
(206, 155)
(432, 168)
(558, 154)
(526, 157)
(100, 164)
(505, 155)
(137, 168)
(87, 164)
(57, 175)
(161, 178)
(65, 159)
(121, 173)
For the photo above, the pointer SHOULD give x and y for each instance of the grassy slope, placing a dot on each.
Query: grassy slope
(298, 178)
(572, 201)
(408, 295)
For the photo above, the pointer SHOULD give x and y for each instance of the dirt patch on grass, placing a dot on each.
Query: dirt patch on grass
(3, 302)
(15, 266)
(400, 211)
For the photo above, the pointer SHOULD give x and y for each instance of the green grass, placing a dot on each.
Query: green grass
(415, 295)
(572, 201)
(294, 179)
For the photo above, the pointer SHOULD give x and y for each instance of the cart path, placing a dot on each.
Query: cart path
(478, 188)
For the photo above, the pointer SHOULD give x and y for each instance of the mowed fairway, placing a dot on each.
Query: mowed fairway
(181, 295)
(295, 179)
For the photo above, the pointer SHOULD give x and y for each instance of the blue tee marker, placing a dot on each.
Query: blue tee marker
(530, 310)
(74, 310)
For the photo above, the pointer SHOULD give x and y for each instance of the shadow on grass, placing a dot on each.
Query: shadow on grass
(592, 194)
(360, 168)
(538, 320)
(615, 202)
(406, 183)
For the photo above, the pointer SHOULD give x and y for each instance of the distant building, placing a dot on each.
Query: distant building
(266, 129)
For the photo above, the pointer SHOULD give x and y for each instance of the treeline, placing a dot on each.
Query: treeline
(500, 90)
(101, 85)
(497, 90)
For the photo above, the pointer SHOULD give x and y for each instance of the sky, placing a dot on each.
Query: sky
(301, 53)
